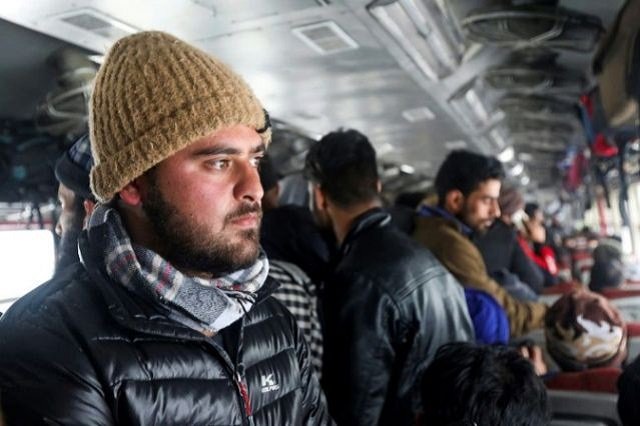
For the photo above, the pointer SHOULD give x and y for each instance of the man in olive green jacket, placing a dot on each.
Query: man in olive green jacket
(468, 186)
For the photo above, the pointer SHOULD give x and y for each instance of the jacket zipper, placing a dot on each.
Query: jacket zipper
(244, 394)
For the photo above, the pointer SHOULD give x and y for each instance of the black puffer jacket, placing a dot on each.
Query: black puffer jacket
(81, 349)
(387, 309)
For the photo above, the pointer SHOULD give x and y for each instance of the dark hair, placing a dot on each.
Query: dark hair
(464, 171)
(468, 384)
(531, 208)
(269, 176)
(343, 163)
(608, 269)
(629, 394)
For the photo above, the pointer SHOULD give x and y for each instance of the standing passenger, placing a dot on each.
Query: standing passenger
(168, 319)
(296, 292)
(389, 304)
(468, 186)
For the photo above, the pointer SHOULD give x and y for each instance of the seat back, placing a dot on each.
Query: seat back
(570, 408)
(602, 379)
(620, 292)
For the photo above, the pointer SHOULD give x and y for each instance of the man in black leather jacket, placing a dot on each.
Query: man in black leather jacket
(389, 304)
(168, 319)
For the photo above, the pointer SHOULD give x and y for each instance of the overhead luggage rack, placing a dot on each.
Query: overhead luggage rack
(533, 25)
(534, 125)
(554, 80)
(542, 144)
(539, 106)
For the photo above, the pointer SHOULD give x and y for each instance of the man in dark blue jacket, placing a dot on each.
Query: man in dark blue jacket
(389, 304)
(168, 319)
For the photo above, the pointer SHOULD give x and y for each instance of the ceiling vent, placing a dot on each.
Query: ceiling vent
(97, 23)
(533, 25)
(552, 80)
(325, 37)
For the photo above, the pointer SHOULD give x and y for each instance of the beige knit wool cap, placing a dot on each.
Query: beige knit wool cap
(154, 95)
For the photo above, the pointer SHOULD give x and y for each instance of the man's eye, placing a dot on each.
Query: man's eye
(255, 161)
(220, 164)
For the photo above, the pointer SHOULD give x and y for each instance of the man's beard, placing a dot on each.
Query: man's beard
(68, 247)
(191, 246)
(68, 244)
(480, 227)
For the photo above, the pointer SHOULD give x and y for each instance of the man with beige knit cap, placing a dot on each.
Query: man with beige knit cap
(168, 318)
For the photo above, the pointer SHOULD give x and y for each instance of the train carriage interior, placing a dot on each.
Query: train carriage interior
(549, 87)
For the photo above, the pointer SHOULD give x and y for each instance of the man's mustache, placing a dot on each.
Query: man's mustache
(243, 210)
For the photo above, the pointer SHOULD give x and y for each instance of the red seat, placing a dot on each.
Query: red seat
(602, 379)
(633, 329)
(619, 292)
(562, 288)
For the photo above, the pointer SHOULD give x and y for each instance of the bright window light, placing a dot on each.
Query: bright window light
(506, 155)
(517, 169)
(27, 259)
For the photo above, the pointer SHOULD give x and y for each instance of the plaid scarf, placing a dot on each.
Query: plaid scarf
(213, 303)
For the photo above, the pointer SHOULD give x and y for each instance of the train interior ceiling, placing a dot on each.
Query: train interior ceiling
(527, 81)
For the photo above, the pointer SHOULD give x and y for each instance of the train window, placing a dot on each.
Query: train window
(28, 259)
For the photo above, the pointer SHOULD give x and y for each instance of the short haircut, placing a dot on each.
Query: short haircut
(344, 164)
(465, 171)
(468, 384)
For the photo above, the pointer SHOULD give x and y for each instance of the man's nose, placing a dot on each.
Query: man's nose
(248, 186)
(495, 208)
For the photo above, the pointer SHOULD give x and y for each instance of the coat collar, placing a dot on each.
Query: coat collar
(373, 218)
(434, 211)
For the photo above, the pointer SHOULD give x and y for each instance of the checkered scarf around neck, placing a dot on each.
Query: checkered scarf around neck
(213, 303)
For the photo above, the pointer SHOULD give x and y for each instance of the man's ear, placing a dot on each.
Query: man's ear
(453, 201)
(88, 207)
(379, 186)
(319, 197)
(131, 194)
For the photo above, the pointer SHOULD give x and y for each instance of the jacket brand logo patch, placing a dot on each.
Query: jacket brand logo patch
(268, 383)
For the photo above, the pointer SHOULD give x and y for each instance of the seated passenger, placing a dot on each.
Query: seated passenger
(532, 239)
(607, 270)
(500, 248)
(469, 384)
(468, 186)
(389, 303)
(583, 330)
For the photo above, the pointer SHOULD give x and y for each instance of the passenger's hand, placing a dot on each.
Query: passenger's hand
(534, 354)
